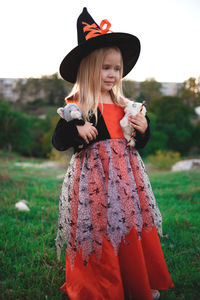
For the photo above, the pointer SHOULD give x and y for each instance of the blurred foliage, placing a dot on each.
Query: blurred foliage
(195, 147)
(14, 129)
(146, 90)
(190, 91)
(46, 144)
(48, 89)
(164, 159)
(130, 89)
(158, 138)
(149, 89)
(21, 133)
(62, 157)
(173, 119)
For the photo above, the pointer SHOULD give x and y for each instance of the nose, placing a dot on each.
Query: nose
(111, 73)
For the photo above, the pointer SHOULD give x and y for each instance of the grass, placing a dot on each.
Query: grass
(28, 264)
(178, 196)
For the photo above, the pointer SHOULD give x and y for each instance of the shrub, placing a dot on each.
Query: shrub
(62, 157)
(38, 129)
(21, 133)
(158, 140)
(14, 129)
(196, 139)
(164, 159)
(173, 118)
(47, 136)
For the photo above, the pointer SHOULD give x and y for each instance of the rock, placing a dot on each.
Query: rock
(61, 176)
(22, 205)
(197, 110)
(23, 164)
(48, 164)
(43, 117)
(187, 165)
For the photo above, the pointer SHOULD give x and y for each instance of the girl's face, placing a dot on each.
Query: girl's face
(110, 73)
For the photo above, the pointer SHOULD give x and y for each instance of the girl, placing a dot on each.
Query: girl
(107, 213)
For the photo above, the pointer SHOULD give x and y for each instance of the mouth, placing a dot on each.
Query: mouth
(108, 82)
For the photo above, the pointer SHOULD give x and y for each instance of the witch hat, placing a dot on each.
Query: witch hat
(91, 36)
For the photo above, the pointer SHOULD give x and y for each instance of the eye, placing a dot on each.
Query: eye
(105, 67)
(117, 68)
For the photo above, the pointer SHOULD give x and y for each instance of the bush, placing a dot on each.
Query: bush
(62, 157)
(38, 129)
(46, 138)
(14, 129)
(164, 159)
(21, 133)
(158, 140)
(173, 118)
(195, 138)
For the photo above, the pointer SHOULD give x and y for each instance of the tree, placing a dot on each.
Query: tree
(158, 139)
(190, 91)
(20, 132)
(49, 89)
(173, 119)
(14, 129)
(130, 89)
(28, 90)
(53, 89)
(150, 89)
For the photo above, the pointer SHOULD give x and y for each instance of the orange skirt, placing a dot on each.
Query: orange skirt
(139, 267)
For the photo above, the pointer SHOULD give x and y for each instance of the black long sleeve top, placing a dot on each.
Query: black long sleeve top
(66, 134)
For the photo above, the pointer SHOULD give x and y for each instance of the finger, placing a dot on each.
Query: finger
(86, 139)
(133, 118)
(135, 126)
(132, 125)
(139, 116)
(93, 134)
(135, 122)
(139, 128)
(90, 136)
(138, 120)
(94, 130)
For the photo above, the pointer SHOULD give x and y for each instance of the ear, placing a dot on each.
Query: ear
(60, 111)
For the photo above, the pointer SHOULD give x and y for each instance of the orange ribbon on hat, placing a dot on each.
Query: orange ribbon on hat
(93, 30)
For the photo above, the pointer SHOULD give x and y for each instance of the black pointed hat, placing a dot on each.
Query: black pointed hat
(91, 36)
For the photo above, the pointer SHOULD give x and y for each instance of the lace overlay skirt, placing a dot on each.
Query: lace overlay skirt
(106, 192)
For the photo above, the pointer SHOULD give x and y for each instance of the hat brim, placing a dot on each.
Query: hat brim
(127, 43)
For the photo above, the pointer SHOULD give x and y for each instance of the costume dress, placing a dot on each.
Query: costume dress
(108, 215)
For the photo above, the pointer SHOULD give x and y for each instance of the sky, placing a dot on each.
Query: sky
(37, 34)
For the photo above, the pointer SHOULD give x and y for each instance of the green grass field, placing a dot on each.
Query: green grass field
(28, 265)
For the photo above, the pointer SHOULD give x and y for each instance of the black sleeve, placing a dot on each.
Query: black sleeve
(66, 135)
(142, 139)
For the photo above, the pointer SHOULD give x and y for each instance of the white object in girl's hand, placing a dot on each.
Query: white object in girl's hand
(132, 108)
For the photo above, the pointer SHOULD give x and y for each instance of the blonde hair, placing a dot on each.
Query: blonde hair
(88, 83)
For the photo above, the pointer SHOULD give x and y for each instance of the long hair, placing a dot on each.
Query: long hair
(88, 83)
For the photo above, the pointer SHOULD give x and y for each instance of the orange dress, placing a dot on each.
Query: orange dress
(110, 220)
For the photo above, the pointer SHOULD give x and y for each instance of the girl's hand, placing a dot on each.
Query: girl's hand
(88, 132)
(138, 122)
